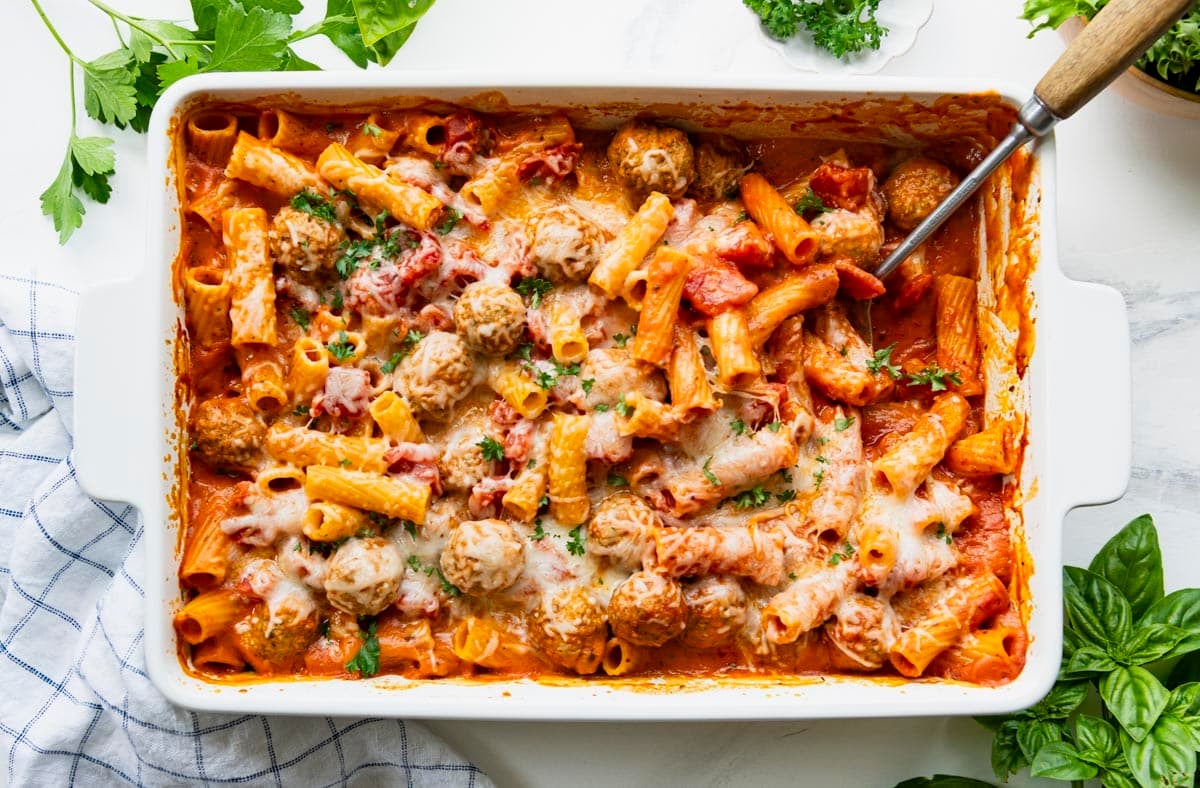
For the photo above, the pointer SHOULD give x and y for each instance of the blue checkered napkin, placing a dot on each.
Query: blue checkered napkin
(75, 703)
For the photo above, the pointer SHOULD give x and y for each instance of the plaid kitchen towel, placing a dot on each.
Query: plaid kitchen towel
(76, 705)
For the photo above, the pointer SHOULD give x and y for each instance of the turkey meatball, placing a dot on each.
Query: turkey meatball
(650, 158)
(719, 170)
(647, 609)
(436, 375)
(227, 432)
(863, 629)
(565, 245)
(363, 576)
(570, 630)
(716, 611)
(623, 529)
(915, 188)
(483, 556)
(270, 645)
(853, 234)
(490, 318)
(303, 244)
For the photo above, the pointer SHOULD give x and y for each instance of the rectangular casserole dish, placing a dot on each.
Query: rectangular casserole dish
(1077, 444)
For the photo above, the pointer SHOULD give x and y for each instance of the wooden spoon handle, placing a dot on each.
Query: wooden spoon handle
(1116, 37)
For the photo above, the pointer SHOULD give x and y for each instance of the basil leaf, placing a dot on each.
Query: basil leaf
(1136, 698)
(1150, 642)
(1098, 741)
(944, 781)
(1060, 761)
(1179, 609)
(1033, 735)
(1119, 777)
(1087, 661)
(1007, 757)
(1132, 561)
(383, 50)
(1061, 701)
(1166, 756)
(1184, 706)
(378, 19)
(1096, 608)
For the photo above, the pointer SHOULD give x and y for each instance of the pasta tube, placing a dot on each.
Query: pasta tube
(632, 244)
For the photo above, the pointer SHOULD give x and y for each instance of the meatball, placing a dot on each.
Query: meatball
(275, 645)
(363, 576)
(853, 234)
(490, 318)
(719, 170)
(565, 245)
(615, 373)
(716, 611)
(863, 629)
(652, 158)
(483, 556)
(437, 374)
(915, 188)
(303, 244)
(570, 630)
(462, 465)
(227, 432)
(623, 529)
(647, 609)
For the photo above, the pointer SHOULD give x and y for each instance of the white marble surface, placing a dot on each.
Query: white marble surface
(1129, 216)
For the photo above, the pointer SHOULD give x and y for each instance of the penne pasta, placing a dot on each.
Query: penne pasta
(387, 495)
(660, 309)
(251, 284)
(378, 191)
(787, 229)
(262, 165)
(632, 244)
(568, 468)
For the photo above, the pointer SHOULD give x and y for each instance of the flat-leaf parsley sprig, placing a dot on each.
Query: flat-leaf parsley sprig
(121, 87)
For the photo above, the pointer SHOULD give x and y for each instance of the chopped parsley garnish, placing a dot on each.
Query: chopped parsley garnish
(601, 408)
(575, 545)
(845, 555)
(371, 130)
(539, 533)
(708, 474)
(366, 661)
(741, 217)
(882, 362)
(752, 498)
(811, 203)
(314, 204)
(414, 563)
(822, 459)
(935, 377)
(345, 463)
(738, 426)
(792, 576)
(617, 481)
(621, 340)
(785, 496)
(452, 217)
(943, 535)
(536, 289)
(587, 384)
(301, 410)
(390, 364)
(301, 318)
(845, 351)
(622, 408)
(411, 527)
(336, 303)
(819, 477)
(532, 463)
(384, 244)
(492, 449)
(567, 369)
(821, 441)
(544, 502)
(448, 588)
(841, 425)
(546, 380)
(775, 425)
(343, 349)
(525, 351)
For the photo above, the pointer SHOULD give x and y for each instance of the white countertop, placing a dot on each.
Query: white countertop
(1129, 216)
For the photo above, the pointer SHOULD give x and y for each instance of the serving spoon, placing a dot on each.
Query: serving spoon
(1116, 37)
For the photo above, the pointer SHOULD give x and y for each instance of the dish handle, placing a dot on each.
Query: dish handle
(116, 403)
(1089, 395)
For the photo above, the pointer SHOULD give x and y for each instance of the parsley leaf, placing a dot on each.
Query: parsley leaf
(841, 425)
(300, 317)
(935, 377)
(414, 563)
(785, 496)
(819, 477)
(87, 166)
(587, 384)
(343, 349)
(448, 588)
(366, 661)
(525, 351)
(943, 534)
(810, 204)
(840, 27)
(301, 410)
(622, 408)
(882, 362)
(493, 450)
(539, 533)
(109, 95)
(708, 474)
(575, 546)
(536, 289)
(313, 204)
(390, 365)
(371, 130)
(775, 426)
(738, 426)
(615, 480)
(621, 340)
(254, 40)
(452, 217)
(601, 408)
(845, 555)
(752, 498)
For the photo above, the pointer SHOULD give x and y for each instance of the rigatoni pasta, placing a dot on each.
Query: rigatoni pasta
(488, 395)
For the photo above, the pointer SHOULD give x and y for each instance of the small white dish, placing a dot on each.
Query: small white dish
(903, 20)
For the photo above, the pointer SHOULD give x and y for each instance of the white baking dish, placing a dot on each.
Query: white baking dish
(127, 436)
